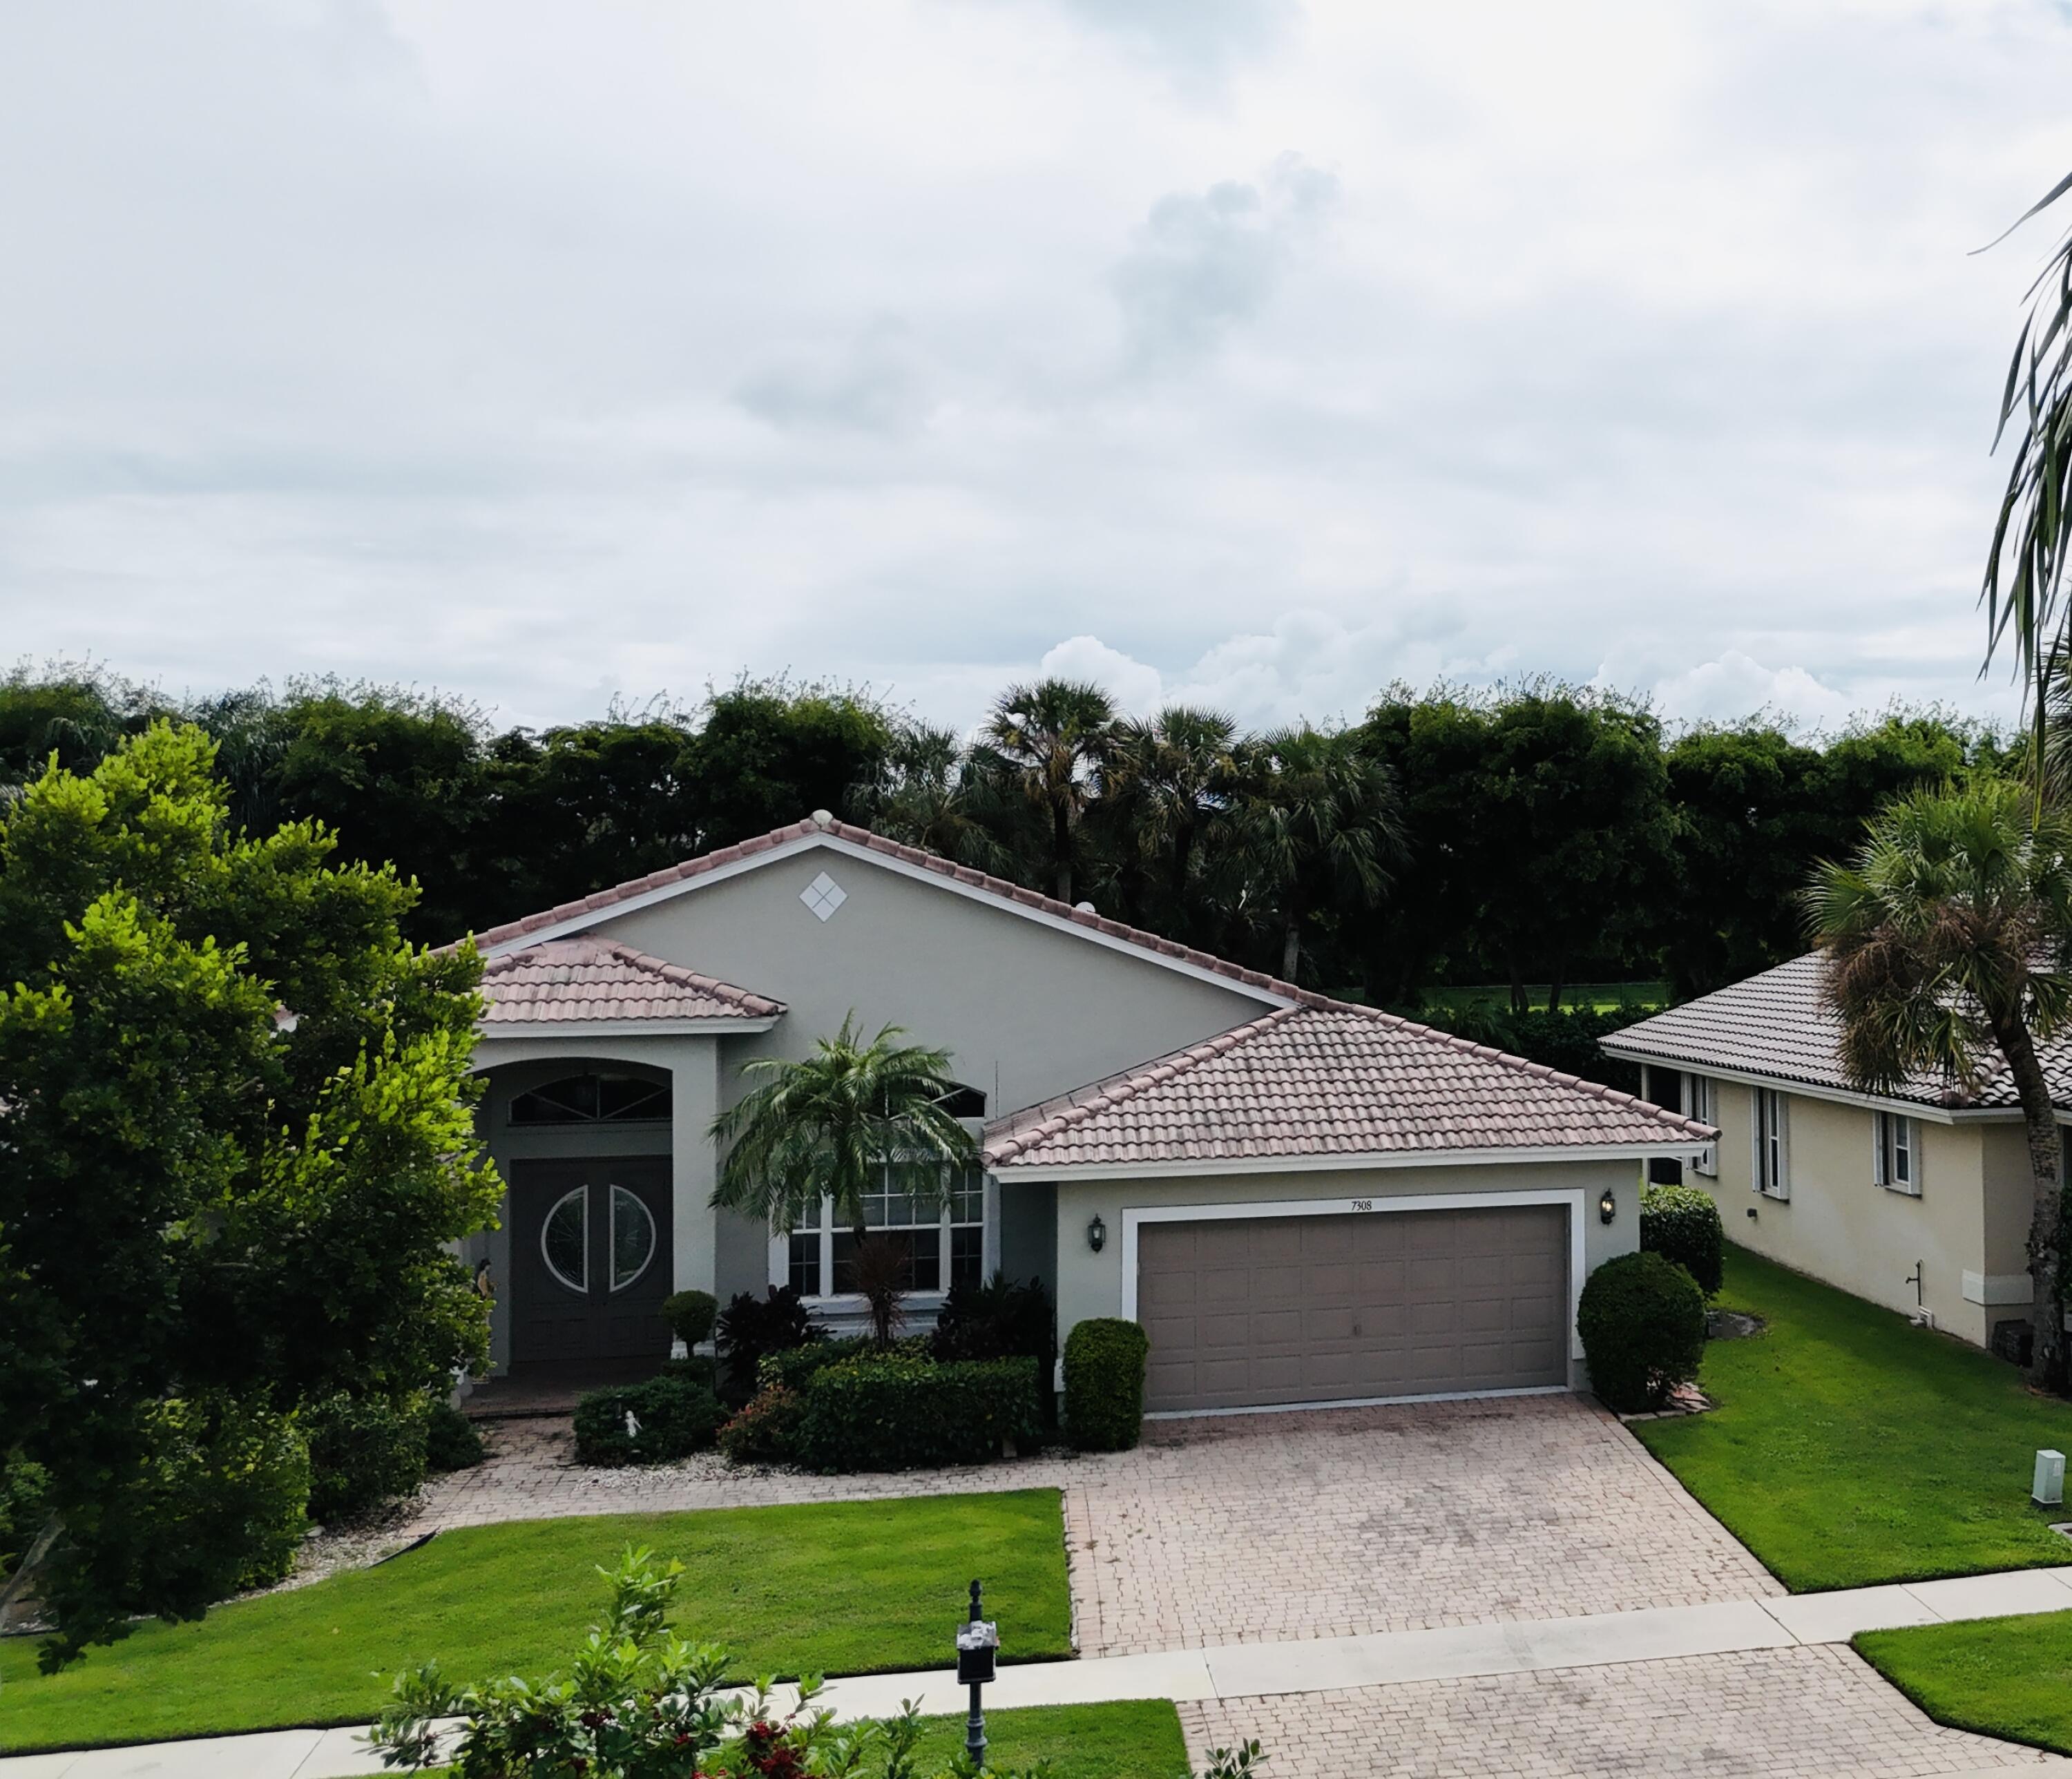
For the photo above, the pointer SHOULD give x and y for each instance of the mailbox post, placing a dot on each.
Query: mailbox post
(977, 1640)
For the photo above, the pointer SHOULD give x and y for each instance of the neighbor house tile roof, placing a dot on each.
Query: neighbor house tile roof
(1779, 1024)
(604, 900)
(1327, 1078)
(594, 979)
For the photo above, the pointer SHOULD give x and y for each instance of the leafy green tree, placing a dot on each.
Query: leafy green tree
(1948, 952)
(1320, 828)
(1050, 740)
(76, 710)
(768, 752)
(1168, 789)
(234, 1116)
(829, 1125)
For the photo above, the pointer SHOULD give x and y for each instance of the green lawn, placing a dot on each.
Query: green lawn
(1850, 1447)
(845, 1588)
(2005, 1677)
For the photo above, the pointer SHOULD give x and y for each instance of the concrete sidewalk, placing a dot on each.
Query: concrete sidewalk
(1236, 1670)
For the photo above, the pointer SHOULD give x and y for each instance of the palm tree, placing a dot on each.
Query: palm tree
(1051, 739)
(924, 797)
(830, 1124)
(1946, 952)
(2024, 579)
(1321, 823)
(1172, 779)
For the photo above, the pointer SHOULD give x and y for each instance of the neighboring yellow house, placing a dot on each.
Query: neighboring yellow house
(1919, 1201)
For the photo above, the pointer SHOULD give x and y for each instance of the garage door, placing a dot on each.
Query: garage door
(1245, 1313)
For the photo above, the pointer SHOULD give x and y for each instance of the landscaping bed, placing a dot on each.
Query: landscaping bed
(839, 1588)
(2006, 1677)
(1849, 1447)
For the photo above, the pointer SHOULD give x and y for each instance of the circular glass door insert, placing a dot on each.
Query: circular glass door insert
(564, 1240)
(632, 1238)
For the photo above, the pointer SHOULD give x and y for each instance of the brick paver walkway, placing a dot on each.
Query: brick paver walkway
(1266, 1526)
(1808, 1713)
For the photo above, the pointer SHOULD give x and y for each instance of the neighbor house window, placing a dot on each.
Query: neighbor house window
(933, 1213)
(1701, 1102)
(606, 1098)
(1773, 1154)
(1896, 1152)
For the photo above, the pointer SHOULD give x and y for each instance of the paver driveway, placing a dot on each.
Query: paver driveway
(1268, 1526)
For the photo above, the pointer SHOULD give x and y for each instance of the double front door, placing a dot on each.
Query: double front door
(590, 1261)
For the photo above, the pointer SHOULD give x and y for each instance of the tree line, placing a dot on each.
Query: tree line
(1536, 834)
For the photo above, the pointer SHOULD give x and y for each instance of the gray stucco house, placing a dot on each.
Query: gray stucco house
(1302, 1200)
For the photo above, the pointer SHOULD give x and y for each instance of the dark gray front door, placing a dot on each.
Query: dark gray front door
(590, 1261)
(1250, 1312)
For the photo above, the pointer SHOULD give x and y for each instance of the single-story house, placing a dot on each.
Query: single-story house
(1918, 1200)
(1303, 1201)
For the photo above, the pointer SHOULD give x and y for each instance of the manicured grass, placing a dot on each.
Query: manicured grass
(1850, 1447)
(845, 1588)
(2005, 1677)
(1137, 1740)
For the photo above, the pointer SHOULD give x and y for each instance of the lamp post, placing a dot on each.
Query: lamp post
(977, 1640)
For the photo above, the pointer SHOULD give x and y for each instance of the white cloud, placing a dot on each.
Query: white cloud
(1135, 687)
(1734, 686)
(474, 342)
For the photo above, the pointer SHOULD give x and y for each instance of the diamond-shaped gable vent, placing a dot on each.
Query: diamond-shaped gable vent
(824, 895)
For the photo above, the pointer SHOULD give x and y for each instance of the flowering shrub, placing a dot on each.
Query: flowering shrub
(762, 1433)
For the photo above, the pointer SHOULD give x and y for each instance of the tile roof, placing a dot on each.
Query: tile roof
(1778, 1024)
(1323, 1079)
(603, 900)
(591, 979)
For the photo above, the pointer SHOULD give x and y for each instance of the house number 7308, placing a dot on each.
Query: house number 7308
(1363, 1203)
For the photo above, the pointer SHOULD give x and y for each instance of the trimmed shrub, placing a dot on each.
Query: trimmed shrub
(363, 1451)
(750, 1326)
(1105, 1383)
(700, 1368)
(451, 1441)
(692, 1315)
(903, 1412)
(763, 1432)
(673, 1417)
(1681, 1223)
(796, 1366)
(1642, 1323)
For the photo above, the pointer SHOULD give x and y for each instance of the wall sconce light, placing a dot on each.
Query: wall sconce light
(1096, 1236)
(1607, 1208)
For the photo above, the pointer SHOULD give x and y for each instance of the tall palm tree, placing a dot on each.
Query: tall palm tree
(1051, 739)
(924, 797)
(1173, 779)
(828, 1125)
(1321, 823)
(1947, 947)
(2024, 579)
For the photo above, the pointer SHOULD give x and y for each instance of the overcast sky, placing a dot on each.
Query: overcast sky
(1241, 350)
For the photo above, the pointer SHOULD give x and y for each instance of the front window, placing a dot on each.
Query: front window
(1896, 1152)
(1772, 1178)
(593, 1098)
(938, 1225)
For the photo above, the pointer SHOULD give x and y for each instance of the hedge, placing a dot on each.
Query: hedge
(903, 1413)
(1642, 1324)
(1105, 1383)
(1681, 1223)
(672, 1418)
(363, 1451)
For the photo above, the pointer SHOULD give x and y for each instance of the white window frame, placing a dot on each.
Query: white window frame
(825, 1227)
(1896, 1138)
(1701, 1101)
(1770, 1151)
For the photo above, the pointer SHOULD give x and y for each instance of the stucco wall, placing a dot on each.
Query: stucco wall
(1841, 1226)
(1092, 1284)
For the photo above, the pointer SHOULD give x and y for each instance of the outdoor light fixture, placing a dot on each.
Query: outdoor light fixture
(1096, 1235)
(1607, 1208)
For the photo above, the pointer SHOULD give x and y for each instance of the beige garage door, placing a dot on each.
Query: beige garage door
(1244, 1312)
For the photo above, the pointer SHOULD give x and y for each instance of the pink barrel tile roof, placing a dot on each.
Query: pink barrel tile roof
(592, 979)
(1327, 1078)
(601, 903)
(1779, 1024)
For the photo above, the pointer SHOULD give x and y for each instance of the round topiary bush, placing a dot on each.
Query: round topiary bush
(1105, 1383)
(1681, 1223)
(691, 1316)
(1642, 1322)
(451, 1440)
